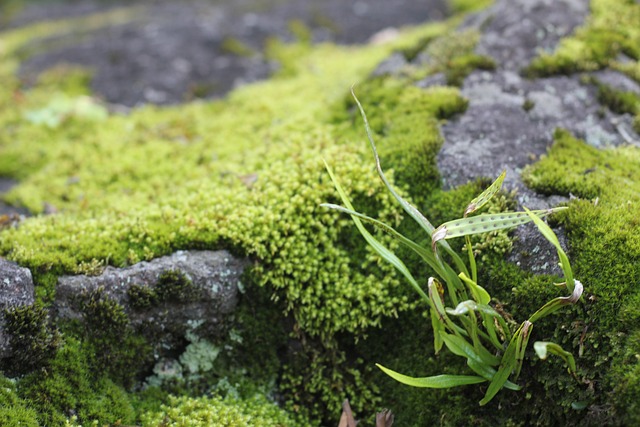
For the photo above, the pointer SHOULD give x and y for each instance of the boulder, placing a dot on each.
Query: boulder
(164, 298)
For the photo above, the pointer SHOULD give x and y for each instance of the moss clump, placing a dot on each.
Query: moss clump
(71, 386)
(175, 286)
(237, 47)
(116, 348)
(618, 101)
(184, 411)
(453, 55)
(33, 340)
(142, 297)
(605, 249)
(611, 29)
(14, 411)
(131, 188)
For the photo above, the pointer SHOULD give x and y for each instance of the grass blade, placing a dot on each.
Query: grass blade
(543, 349)
(557, 303)
(485, 223)
(408, 207)
(486, 195)
(426, 255)
(375, 244)
(507, 365)
(548, 233)
(438, 381)
(477, 291)
(469, 305)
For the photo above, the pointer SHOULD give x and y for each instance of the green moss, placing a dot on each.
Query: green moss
(70, 386)
(528, 105)
(174, 286)
(611, 29)
(243, 173)
(618, 101)
(237, 47)
(469, 5)
(605, 249)
(33, 340)
(255, 412)
(452, 54)
(141, 297)
(116, 348)
(14, 411)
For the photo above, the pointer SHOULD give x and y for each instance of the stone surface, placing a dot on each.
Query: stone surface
(16, 289)
(510, 120)
(215, 276)
(170, 52)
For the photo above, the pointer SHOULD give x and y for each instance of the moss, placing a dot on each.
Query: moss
(142, 297)
(528, 105)
(33, 340)
(236, 47)
(257, 411)
(452, 54)
(610, 30)
(618, 101)
(300, 31)
(117, 349)
(174, 286)
(71, 387)
(135, 187)
(461, 66)
(605, 249)
(14, 411)
(469, 5)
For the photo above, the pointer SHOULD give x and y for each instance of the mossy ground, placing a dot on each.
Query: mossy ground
(246, 173)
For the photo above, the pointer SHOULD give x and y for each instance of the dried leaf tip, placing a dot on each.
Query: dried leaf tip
(438, 234)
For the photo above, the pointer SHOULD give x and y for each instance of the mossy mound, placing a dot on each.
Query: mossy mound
(243, 173)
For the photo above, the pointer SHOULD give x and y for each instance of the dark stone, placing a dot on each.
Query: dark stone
(16, 290)
(163, 298)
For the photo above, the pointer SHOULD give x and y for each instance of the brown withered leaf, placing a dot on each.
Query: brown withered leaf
(347, 420)
(384, 418)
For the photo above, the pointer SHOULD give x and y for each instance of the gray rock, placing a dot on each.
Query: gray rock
(515, 31)
(16, 289)
(164, 317)
(510, 120)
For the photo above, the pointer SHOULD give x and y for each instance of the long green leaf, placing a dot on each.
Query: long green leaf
(425, 254)
(469, 306)
(460, 347)
(521, 346)
(507, 365)
(438, 381)
(485, 223)
(488, 372)
(486, 195)
(548, 233)
(543, 349)
(375, 244)
(557, 303)
(478, 292)
(438, 328)
(408, 207)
